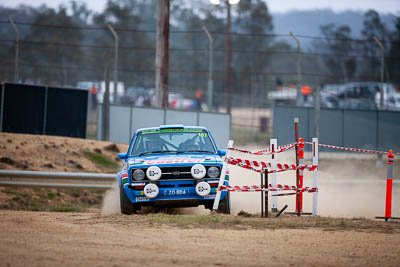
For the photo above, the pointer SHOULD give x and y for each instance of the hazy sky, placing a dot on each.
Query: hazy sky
(382, 6)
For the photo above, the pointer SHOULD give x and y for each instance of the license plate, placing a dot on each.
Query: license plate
(176, 192)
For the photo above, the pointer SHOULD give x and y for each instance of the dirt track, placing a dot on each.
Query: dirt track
(89, 239)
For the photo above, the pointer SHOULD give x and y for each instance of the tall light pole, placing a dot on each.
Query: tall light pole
(229, 58)
(228, 50)
(115, 61)
(298, 95)
(210, 69)
(16, 49)
(382, 70)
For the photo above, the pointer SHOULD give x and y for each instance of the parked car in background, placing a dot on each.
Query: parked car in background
(329, 95)
(358, 95)
(389, 96)
(138, 96)
(175, 100)
(283, 95)
(397, 101)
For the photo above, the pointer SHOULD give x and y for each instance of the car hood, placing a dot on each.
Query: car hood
(173, 159)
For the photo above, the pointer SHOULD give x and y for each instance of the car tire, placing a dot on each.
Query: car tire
(127, 207)
(224, 205)
(209, 205)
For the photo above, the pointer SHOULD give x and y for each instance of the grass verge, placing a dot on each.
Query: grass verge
(101, 160)
(59, 200)
(64, 209)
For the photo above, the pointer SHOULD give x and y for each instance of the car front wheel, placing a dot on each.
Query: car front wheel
(126, 206)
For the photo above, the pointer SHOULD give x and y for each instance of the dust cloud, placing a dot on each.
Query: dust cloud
(350, 185)
(111, 202)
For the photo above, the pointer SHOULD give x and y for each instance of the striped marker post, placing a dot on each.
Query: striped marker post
(389, 182)
(273, 147)
(315, 176)
(299, 200)
(389, 177)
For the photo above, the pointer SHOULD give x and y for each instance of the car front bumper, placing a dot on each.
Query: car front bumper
(177, 193)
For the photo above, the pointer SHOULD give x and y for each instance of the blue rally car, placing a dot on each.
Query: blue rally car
(171, 166)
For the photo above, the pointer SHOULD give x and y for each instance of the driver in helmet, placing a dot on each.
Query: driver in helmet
(153, 144)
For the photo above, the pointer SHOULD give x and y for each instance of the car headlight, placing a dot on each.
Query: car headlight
(153, 173)
(213, 172)
(198, 171)
(138, 175)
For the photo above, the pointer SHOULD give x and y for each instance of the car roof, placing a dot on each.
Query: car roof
(170, 126)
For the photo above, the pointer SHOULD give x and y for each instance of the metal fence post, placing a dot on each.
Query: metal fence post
(115, 95)
(382, 70)
(16, 49)
(210, 92)
(106, 105)
(298, 95)
(317, 112)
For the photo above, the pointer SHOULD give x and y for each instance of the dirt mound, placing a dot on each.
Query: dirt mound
(54, 153)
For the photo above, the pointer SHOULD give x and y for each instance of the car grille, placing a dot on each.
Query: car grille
(176, 173)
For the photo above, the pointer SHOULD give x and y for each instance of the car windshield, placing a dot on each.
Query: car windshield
(175, 140)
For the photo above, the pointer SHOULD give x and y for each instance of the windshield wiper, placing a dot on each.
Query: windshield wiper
(157, 152)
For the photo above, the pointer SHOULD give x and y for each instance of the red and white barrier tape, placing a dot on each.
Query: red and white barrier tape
(256, 188)
(283, 148)
(351, 149)
(284, 194)
(252, 164)
(279, 149)
(265, 151)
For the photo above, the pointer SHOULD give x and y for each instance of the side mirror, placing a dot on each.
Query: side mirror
(221, 152)
(122, 155)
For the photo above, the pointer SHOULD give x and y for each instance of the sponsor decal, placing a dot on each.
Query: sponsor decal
(136, 163)
(172, 161)
(124, 180)
(175, 161)
(173, 130)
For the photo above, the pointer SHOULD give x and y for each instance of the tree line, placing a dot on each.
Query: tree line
(71, 43)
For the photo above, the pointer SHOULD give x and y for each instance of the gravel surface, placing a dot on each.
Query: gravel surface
(89, 239)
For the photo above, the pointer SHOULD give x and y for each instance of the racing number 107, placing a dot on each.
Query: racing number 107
(203, 134)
